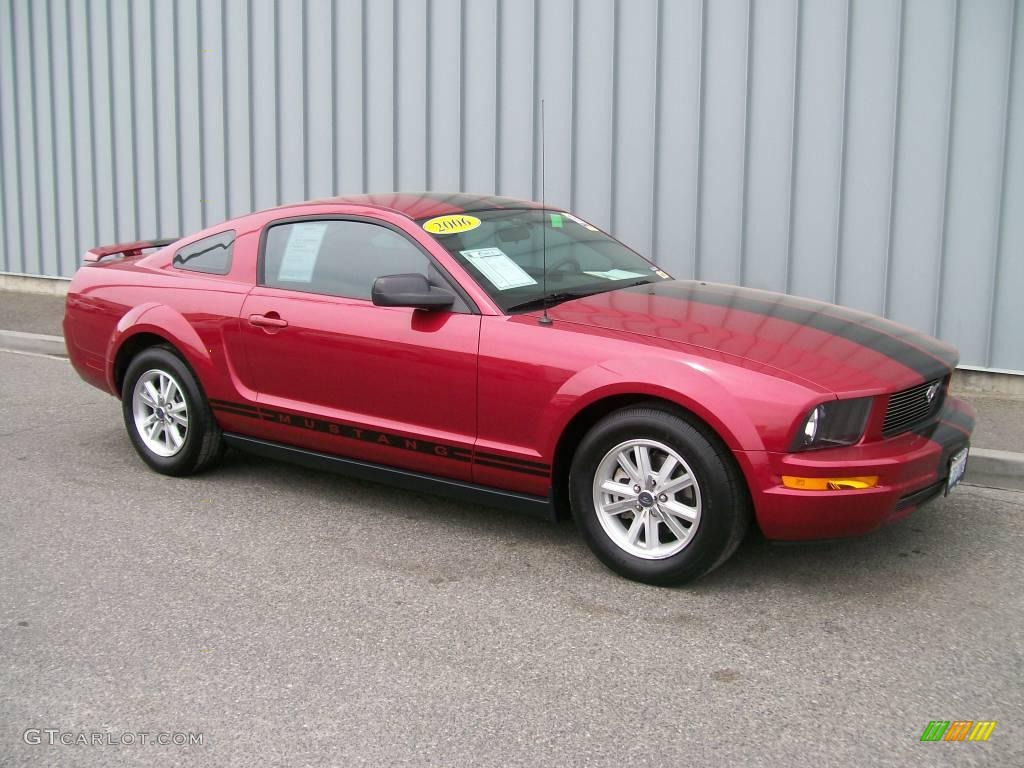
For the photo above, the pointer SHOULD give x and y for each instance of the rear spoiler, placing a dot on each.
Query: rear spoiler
(125, 250)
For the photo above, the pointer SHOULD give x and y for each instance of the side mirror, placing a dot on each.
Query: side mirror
(409, 291)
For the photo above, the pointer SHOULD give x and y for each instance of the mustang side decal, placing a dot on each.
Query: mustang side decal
(388, 439)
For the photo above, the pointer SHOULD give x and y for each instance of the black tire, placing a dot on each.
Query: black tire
(724, 501)
(203, 444)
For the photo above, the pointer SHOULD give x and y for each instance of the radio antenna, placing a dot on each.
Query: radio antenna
(544, 319)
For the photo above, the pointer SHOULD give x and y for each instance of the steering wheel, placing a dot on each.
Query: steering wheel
(566, 261)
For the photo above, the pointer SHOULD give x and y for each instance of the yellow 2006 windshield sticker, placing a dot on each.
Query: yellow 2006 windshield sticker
(449, 225)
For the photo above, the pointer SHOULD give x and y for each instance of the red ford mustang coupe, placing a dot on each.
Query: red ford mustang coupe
(516, 355)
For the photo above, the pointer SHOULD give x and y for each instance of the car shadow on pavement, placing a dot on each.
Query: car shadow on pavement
(899, 557)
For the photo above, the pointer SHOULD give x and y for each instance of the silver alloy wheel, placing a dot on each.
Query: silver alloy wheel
(161, 413)
(647, 499)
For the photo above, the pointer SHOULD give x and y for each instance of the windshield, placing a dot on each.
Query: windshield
(503, 251)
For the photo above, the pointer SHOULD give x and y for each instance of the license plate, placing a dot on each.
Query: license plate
(957, 467)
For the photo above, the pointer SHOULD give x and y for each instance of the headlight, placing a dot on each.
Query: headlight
(811, 425)
(837, 422)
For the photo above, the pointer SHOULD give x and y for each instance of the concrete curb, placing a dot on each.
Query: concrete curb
(36, 343)
(969, 381)
(986, 467)
(995, 469)
(39, 284)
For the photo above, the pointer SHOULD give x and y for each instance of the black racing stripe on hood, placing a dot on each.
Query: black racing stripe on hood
(959, 419)
(950, 437)
(928, 359)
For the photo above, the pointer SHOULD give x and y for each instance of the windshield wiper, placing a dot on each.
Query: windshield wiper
(556, 298)
(550, 300)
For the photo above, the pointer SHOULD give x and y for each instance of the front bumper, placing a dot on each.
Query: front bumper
(911, 469)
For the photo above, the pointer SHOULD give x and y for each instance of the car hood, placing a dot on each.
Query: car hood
(839, 349)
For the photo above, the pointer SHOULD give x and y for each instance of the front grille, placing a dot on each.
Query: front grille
(910, 407)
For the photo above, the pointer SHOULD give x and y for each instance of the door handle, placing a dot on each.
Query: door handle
(269, 320)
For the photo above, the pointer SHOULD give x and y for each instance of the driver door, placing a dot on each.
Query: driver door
(337, 374)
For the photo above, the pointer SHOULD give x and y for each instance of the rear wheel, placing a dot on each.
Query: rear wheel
(167, 416)
(656, 499)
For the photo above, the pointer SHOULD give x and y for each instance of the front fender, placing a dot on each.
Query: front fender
(705, 393)
(169, 324)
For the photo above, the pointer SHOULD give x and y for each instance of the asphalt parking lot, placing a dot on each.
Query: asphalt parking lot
(292, 617)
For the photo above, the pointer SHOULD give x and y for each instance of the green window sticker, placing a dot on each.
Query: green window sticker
(556, 220)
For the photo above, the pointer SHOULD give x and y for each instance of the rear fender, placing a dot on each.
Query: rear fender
(160, 320)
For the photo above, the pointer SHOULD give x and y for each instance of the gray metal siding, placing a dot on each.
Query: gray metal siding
(869, 152)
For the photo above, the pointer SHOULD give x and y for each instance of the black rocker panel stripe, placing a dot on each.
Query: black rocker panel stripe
(494, 457)
(238, 410)
(510, 468)
(927, 359)
(538, 506)
(227, 404)
(381, 438)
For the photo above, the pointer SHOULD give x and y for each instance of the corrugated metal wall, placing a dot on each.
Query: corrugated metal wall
(869, 152)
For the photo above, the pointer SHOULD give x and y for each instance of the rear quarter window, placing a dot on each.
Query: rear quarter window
(211, 255)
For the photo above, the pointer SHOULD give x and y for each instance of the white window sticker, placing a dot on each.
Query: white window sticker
(301, 251)
(615, 274)
(498, 268)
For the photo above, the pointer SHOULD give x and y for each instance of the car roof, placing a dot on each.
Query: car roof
(424, 205)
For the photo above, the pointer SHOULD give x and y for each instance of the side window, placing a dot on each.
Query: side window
(211, 255)
(338, 258)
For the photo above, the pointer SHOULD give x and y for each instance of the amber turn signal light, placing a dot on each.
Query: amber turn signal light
(829, 483)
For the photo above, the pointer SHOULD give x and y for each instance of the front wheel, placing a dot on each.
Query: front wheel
(655, 498)
(167, 416)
